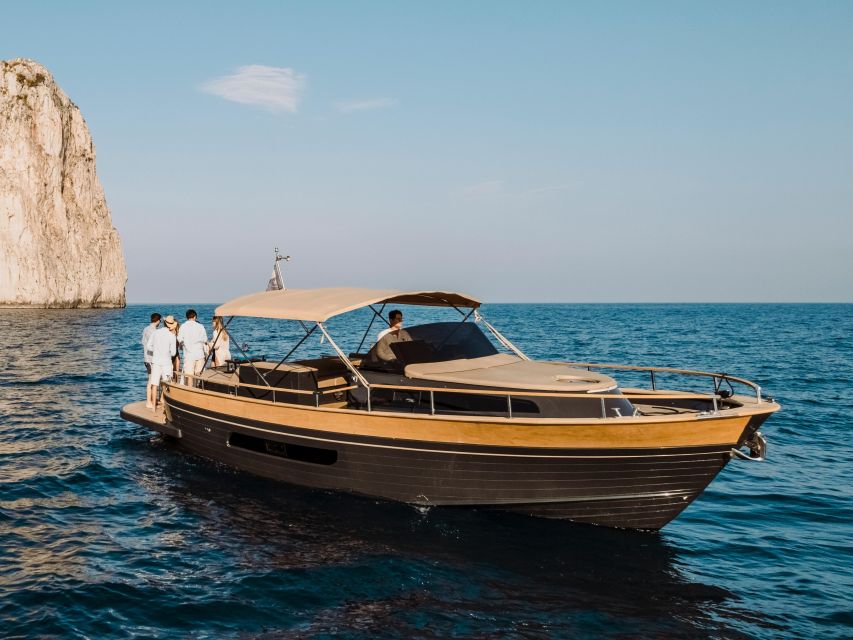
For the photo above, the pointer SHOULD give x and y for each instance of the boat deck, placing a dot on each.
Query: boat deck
(218, 376)
(138, 413)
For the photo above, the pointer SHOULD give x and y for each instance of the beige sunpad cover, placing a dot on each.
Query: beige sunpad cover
(318, 305)
(511, 372)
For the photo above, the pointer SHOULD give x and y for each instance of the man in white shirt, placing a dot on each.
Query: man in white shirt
(193, 337)
(147, 332)
(395, 323)
(394, 333)
(163, 347)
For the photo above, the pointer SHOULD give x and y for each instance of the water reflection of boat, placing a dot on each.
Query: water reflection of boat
(456, 568)
(459, 419)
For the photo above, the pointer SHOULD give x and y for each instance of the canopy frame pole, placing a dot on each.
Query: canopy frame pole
(249, 360)
(378, 314)
(461, 313)
(213, 346)
(478, 317)
(456, 328)
(349, 365)
(372, 318)
(290, 353)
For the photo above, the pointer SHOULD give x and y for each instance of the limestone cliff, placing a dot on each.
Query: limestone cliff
(58, 247)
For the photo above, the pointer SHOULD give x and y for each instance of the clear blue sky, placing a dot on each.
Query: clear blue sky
(528, 151)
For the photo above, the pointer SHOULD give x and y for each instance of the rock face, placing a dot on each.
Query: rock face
(58, 247)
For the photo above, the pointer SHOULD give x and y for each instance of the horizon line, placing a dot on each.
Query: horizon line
(584, 302)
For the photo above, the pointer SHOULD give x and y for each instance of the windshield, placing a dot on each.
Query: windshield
(453, 340)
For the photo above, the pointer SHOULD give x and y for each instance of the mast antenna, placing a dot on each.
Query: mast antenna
(276, 282)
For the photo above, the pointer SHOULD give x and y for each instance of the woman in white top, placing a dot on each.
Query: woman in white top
(176, 359)
(220, 344)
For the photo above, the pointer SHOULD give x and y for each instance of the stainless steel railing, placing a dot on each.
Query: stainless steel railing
(715, 377)
(714, 398)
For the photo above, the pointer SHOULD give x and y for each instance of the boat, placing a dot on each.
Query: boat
(461, 417)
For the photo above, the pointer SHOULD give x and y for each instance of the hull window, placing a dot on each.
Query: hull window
(299, 452)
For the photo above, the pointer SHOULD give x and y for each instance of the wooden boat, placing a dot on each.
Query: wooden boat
(461, 419)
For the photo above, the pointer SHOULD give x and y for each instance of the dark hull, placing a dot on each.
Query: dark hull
(632, 488)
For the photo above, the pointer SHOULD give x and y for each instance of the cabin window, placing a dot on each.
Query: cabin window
(483, 404)
(314, 455)
(524, 406)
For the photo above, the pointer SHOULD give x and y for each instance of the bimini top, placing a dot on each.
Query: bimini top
(318, 305)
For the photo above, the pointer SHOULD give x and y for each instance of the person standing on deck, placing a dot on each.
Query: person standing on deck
(163, 346)
(221, 343)
(193, 337)
(176, 361)
(146, 336)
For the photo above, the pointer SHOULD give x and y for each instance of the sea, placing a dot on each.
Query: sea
(108, 530)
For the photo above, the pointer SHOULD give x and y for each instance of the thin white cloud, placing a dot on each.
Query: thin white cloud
(349, 106)
(273, 88)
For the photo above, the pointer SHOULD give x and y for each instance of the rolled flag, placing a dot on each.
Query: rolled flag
(274, 284)
(276, 281)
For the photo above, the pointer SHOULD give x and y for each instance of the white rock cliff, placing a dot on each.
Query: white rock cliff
(58, 247)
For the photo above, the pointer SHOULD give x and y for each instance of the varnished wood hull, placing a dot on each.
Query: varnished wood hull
(569, 474)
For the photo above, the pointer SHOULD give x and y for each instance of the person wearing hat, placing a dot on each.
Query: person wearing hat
(163, 347)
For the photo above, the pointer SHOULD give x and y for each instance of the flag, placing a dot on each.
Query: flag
(276, 281)
(273, 284)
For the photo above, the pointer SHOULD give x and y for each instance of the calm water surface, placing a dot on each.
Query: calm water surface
(108, 531)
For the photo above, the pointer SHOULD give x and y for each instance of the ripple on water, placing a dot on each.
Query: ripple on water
(108, 531)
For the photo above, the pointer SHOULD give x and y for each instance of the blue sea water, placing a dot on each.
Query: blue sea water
(108, 531)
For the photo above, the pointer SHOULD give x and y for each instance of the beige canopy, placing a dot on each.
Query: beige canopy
(318, 305)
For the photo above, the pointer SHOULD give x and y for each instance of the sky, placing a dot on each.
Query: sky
(520, 152)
